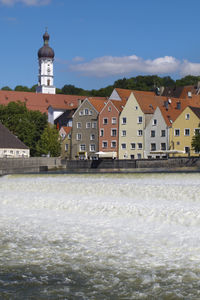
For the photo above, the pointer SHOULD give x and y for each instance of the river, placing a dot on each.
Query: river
(107, 236)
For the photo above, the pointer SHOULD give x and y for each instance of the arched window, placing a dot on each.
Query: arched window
(48, 82)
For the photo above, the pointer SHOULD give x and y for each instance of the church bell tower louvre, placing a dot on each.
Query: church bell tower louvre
(45, 60)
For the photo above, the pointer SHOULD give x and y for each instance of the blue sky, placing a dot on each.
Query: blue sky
(99, 41)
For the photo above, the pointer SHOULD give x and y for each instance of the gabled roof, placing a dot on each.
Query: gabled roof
(196, 111)
(67, 129)
(9, 140)
(98, 102)
(173, 110)
(119, 104)
(124, 93)
(41, 102)
(148, 102)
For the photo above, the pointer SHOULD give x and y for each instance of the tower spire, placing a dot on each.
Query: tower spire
(45, 59)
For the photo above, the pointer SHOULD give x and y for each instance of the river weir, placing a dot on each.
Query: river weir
(100, 236)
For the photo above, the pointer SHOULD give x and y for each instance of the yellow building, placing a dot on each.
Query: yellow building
(182, 131)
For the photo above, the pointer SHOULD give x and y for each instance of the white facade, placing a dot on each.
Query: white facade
(45, 77)
(14, 153)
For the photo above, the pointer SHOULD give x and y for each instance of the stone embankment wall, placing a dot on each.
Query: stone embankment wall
(192, 163)
(29, 165)
(43, 164)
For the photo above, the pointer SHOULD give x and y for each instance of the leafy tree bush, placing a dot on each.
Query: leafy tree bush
(27, 125)
(196, 141)
(50, 143)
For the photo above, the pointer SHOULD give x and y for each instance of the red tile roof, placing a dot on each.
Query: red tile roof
(41, 102)
(172, 111)
(67, 129)
(124, 93)
(98, 102)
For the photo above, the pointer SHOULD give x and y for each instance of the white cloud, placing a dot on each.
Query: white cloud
(188, 68)
(112, 65)
(109, 65)
(26, 2)
(78, 58)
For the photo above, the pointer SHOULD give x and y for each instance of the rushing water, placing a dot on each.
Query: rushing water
(100, 236)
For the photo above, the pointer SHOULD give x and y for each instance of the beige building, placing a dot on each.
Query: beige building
(182, 131)
(134, 118)
(65, 134)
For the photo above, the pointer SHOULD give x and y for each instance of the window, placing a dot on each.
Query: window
(139, 133)
(197, 131)
(92, 137)
(80, 113)
(139, 120)
(177, 132)
(69, 136)
(66, 147)
(101, 132)
(178, 143)
(153, 147)
(187, 132)
(94, 124)
(78, 125)
(123, 132)
(187, 150)
(136, 107)
(104, 144)
(154, 122)
(114, 120)
(124, 120)
(187, 116)
(90, 112)
(82, 147)
(109, 108)
(123, 146)
(113, 144)
(92, 147)
(132, 156)
(163, 146)
(132, 146)
(105, 121)
(86, 111)
(88, 125)
(153, 133)
(113, 132)
(139, 156)
(78, 136)
(163, 133)
(139, 146)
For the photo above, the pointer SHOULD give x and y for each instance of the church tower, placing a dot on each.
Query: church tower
(45, 59)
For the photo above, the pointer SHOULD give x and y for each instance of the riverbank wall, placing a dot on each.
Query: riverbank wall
(29, 165)
(50, 164)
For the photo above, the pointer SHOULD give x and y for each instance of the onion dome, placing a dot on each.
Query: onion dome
(46, 51)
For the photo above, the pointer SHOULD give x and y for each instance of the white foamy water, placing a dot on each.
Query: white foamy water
(100, 236)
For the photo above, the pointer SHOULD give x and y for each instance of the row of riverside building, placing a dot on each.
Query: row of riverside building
(131, 125)
(127, 125)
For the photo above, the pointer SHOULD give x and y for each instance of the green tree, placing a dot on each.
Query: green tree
(21, 88)
(196, 141)
(6, 88)
(27, 125)
(188, 80)
(50, 143)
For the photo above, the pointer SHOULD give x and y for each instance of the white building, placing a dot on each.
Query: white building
(45, 59)
(11, 146)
